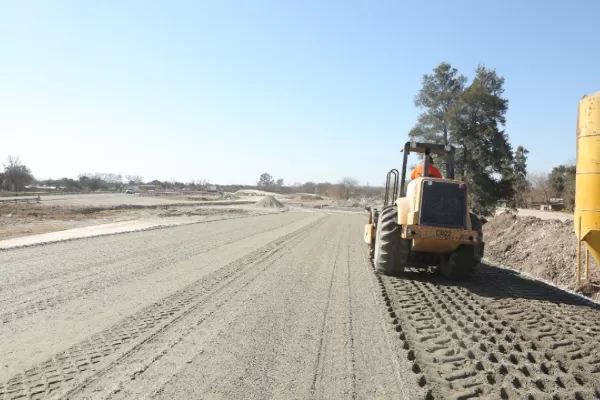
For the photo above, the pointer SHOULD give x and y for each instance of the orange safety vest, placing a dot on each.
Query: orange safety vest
(431, 169)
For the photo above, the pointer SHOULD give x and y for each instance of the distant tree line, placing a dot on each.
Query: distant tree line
(16, 176)
(345, 189)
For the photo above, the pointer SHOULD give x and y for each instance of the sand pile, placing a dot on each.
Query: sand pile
(545, 249)
(269, 202)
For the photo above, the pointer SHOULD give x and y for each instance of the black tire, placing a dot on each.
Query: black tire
(476, 225)
(463, 262)
(390, 250)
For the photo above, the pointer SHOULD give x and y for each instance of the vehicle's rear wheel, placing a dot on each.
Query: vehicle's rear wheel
(476, 225)
(463, 262)
(391, 252)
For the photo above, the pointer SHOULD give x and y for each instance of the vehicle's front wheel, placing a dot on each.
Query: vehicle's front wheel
(391, 252)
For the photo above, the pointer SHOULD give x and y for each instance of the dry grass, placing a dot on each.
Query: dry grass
(10, 232)
(32, 212)
(23, 219)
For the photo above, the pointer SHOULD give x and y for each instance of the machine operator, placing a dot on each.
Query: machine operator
(431, 170)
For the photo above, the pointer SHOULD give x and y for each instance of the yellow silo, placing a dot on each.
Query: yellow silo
(587, 184)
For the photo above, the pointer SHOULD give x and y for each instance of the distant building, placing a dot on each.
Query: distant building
(40, 187)
(552, 207)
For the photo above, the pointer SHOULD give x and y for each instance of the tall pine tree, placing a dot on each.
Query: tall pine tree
(521, 185)
(439, 95)
(472, 119)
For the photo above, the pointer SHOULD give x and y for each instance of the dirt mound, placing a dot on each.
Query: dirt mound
(269, 202)
(545, 249)
(499, 224)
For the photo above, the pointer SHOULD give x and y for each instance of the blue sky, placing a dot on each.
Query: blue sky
(305, 90)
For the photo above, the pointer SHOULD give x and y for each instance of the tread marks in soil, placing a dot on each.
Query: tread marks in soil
(329, 331)
(492, 359)
(350, 322)
(88, 357)
(462, 348)
(567, 326)
(157, 263)
(420, 378)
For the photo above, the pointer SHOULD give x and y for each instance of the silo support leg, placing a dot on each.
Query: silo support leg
(587, 263)
(579, 253)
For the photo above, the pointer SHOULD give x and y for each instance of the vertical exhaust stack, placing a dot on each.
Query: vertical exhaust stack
(587, 184)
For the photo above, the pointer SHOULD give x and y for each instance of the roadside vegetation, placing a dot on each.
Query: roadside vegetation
(17, 179)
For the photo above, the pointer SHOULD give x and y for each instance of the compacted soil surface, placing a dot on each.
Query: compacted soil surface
(283, 306)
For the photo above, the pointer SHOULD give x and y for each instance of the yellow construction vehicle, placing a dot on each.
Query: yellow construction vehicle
(429, 224)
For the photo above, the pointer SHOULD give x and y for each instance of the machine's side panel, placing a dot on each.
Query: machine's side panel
(404, 210)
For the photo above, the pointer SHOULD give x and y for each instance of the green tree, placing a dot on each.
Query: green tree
(560, 177)
(520, 161)
(562, 183)
(522, 187)
(472, 119)
(439, 95)
(569, 194)
(484, 156)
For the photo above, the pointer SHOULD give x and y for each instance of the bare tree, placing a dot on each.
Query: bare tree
(134, 179)
(349, 184)
(541, 186)
(16, 174)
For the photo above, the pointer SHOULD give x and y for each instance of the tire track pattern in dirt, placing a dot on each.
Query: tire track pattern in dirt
(561, 322)
(90, 261)
(336, 347)
(84, 359)
(151, 264)
(464, 345)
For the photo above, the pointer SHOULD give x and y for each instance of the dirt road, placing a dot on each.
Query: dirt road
(281, 306)
(278, 306)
